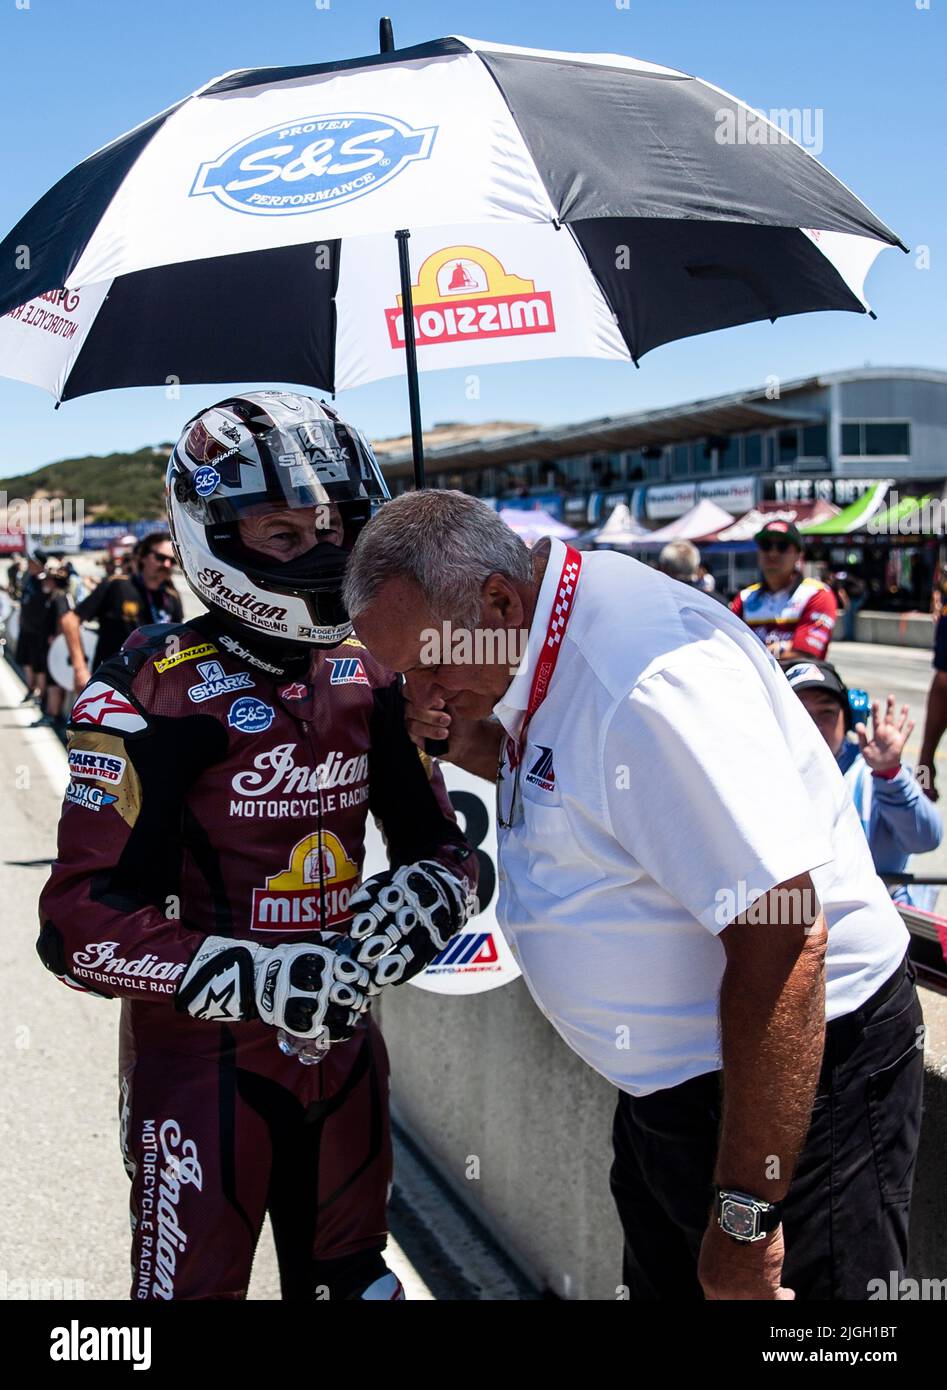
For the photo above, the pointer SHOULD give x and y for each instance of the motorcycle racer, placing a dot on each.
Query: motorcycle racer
(209, 862)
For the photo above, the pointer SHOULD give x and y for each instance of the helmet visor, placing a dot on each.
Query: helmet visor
(316, 463)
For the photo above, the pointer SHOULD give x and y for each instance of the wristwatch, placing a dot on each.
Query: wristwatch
(743, 1217)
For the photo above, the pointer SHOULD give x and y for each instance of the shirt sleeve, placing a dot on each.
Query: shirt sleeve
(120, 845)
(912, 821)
(701, 788)
(813, 633)
(736, 605)
(91, 605)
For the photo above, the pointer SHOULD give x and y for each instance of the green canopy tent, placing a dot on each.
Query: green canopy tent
(854, 517)
(910, 517)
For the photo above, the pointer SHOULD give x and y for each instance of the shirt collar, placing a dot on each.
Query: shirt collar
(512, 706)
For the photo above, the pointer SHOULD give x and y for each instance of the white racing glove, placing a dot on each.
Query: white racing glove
(403, 918)
(308, 989)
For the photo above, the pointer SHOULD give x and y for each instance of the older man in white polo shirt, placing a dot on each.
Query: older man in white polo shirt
(688, 891)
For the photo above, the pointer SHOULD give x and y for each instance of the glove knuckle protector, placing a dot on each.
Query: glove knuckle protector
(306, 988)
(405, 917)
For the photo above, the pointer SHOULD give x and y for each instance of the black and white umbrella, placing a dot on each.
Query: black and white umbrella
(559, 204)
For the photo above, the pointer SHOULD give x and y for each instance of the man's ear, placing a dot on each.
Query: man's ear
(501, 599)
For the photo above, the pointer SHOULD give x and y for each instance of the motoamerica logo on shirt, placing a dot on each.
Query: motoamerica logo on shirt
(542, 774)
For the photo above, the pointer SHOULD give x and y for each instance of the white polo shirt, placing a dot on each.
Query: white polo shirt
(670, 777)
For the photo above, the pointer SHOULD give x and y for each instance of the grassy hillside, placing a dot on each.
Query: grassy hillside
(113, 487)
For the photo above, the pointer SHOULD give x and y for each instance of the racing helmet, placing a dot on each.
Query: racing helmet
(278, 449)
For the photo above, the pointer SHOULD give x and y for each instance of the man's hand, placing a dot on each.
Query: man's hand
(474, 744)
(405, 917)
(882, 751)
(312, 990)
(422, 722)
(732, 1269)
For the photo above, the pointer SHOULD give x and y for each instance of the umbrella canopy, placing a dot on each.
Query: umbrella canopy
(620, 529)
(560, 204)
(533, 525)
(703, 520)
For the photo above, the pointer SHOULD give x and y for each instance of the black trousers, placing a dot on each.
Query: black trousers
(845, 1219)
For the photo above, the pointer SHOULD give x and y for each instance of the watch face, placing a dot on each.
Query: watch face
(738, 1219)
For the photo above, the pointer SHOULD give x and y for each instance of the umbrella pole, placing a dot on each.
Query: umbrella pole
(386, 43)
(411, 357)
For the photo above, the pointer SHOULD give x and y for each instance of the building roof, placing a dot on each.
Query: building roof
(493, 443)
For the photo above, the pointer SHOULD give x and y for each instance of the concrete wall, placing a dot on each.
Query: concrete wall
(895, 629)
(484, 1085)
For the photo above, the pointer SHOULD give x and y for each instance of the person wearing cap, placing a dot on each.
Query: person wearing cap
(896, 817)
(791, 615)
(686, 888)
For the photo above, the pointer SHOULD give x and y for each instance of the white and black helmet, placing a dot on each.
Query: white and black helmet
(287, 450)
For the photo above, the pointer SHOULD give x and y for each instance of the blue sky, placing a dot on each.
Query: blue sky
(79, 72)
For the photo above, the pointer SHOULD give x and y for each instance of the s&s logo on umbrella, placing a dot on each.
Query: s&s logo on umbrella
(313, 162)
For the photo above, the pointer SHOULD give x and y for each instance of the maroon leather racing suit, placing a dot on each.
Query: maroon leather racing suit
(211, 795)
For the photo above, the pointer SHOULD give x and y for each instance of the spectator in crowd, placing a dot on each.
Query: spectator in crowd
(935, 721)
(124, 604)
(31, 643)
(895, 815)
(791, 614)
(688, 892)
(59, 602)
(681, 560)
(14, 577)
(850, 593)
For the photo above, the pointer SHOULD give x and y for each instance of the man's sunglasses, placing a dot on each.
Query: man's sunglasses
(161, 559)
(781, 546)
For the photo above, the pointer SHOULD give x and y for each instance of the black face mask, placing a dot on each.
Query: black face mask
(323, 567)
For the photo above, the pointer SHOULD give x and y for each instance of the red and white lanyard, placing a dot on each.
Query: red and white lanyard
(562, 606)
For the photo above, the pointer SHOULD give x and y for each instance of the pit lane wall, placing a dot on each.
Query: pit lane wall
(520, 1129)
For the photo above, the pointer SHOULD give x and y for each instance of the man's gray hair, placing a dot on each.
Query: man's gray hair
(445, 541)
(680, 560)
